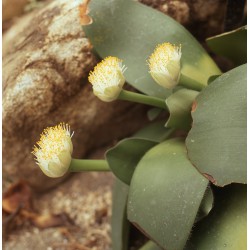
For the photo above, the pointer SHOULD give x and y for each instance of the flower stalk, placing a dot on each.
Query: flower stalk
(190, 83)
(79, 165)
(144, 99)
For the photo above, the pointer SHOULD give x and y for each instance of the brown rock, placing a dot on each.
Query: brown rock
(201, 18)
(46, 60)
(12, 8)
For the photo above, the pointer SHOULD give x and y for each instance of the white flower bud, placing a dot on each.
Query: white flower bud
(53, 153)
(107, 78)
(165, 65)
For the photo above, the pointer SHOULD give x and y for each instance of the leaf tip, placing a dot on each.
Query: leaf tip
(210, 178)
(83, 13)
(194, 106)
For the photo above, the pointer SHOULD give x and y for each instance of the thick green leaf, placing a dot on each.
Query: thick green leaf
(232, 45)
(179, 105)
(131, 31)
(226, 227)
(212, 78)
(165, 194)
(153, 113)
(155, 131)
(207, 204)
(217, 141)
(120, 224)
(190, 246)
(124, 157)
(150, 245)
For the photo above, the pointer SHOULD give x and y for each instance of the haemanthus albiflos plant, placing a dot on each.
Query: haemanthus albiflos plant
(157, 188)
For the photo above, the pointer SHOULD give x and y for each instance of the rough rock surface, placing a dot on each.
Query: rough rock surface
(202, 18)
(46, 60)
(12, 8)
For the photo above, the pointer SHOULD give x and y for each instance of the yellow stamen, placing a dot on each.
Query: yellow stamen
(53, 144)
(165, 66)
(162, 55)
(107, 78)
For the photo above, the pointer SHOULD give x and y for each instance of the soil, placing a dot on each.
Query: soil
(86, 199)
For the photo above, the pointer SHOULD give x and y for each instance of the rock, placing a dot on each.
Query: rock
(201, 18)
(12, 8)
(46, 60)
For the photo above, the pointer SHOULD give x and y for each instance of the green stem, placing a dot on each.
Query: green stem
(78, 165)
(140, 98)
(190, 83)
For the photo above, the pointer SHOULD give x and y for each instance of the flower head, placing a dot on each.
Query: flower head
(165, 65)
(107, 78)
(53, 153)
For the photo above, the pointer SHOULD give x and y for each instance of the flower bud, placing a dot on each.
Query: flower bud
(53, 153)
(165, 65)
(107, 78)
